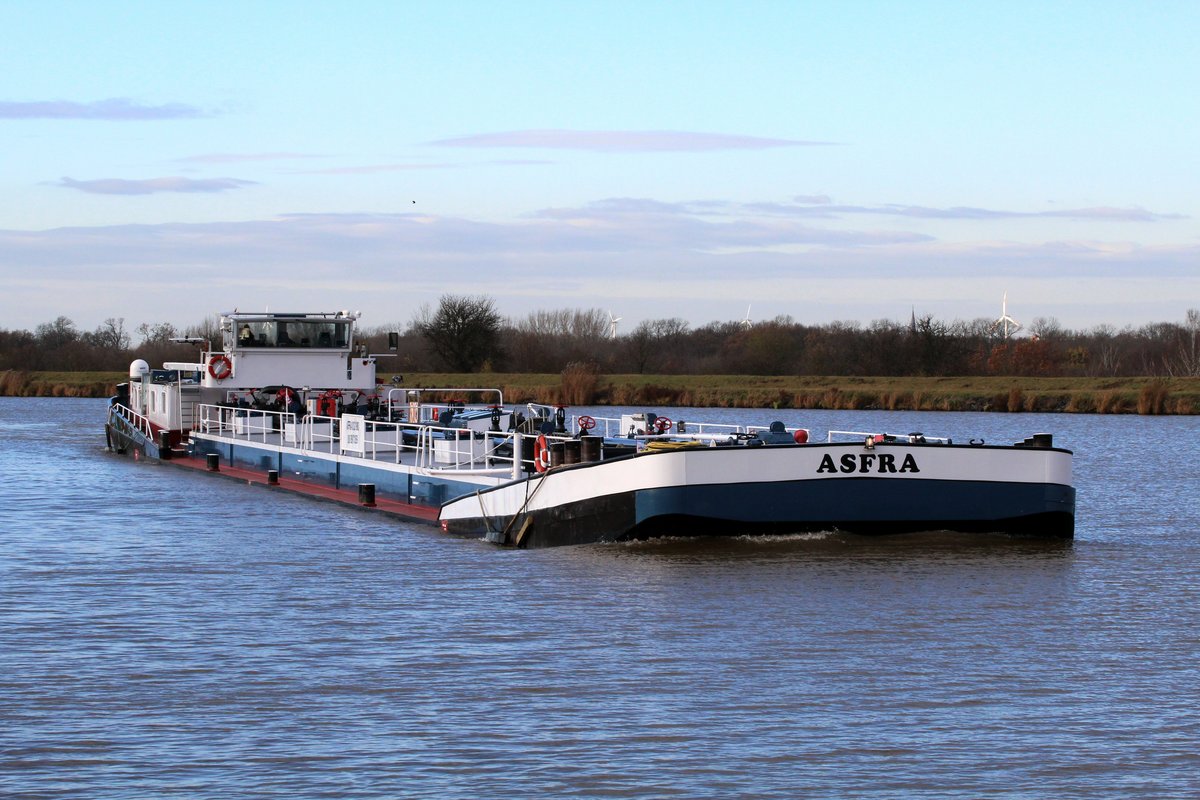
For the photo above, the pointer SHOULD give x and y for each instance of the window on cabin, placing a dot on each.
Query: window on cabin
(294, 333)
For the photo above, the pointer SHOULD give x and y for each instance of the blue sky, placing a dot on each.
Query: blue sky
(827, 161)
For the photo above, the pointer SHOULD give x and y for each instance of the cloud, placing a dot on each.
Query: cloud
(963, 212)
(118, 109)
(236, 158)
(519, 162)
(646, 258)
(822, 207)
(373, 169)
(622, 141)
(154, 185)
(328, 242)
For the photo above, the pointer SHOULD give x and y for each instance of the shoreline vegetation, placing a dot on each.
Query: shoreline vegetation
(584, 387)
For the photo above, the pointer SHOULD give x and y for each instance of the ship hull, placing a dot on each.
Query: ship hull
(780, 490)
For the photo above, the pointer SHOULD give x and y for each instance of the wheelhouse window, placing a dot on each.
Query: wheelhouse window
(313, 333)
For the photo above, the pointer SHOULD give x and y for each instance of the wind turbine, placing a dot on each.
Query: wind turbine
(1006, 324)
(746, 323)
(612, 325)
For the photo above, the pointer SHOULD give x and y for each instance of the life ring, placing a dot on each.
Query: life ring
(284, 396)
(541, 454)
(220, 367)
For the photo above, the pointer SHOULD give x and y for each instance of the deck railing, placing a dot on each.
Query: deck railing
(131, 418)
(909, 438)
(247, 424)
(611, 427)
(428, 447)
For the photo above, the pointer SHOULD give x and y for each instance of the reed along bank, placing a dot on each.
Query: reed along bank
(1079, 395)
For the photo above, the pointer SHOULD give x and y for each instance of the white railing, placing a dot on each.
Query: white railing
(430, 411)
(612, 428)
(682, 429)
(428, 447)
(878, 438)
(132, 418)
(247, 424)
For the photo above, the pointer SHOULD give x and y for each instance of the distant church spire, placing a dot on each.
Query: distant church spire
(912, 326)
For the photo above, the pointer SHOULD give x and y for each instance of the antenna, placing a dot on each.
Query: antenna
(612, 325)
(1006, 324)
(746, 323)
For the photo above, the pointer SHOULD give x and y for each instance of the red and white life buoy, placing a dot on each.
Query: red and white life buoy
(541, 454)
(220, 367)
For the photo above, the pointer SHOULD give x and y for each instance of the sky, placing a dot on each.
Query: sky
(710, 161)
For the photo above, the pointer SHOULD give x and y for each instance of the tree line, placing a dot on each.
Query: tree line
(468, 334)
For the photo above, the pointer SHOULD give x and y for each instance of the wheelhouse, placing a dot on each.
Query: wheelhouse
(321, 331)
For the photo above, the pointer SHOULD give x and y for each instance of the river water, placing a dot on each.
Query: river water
(170, 634)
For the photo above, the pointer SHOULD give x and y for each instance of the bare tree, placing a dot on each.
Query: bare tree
(156, 333)
(209, 330)
(545, 341)
(1047, 328)
(660, 343)
(464, 332)
(1186, 362)
(111, 335)
(61, 332)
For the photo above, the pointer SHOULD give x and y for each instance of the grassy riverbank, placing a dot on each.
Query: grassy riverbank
(1008, 394)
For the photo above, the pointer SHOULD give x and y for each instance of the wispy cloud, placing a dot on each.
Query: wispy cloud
(821, 206)
(374, 169)
(117, 109)
(628, 222)
(154, 185)
(622, 141)
(518, 162)
(968, 213)
(237, 158)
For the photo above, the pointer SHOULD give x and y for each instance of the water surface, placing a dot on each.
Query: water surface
(165, 633)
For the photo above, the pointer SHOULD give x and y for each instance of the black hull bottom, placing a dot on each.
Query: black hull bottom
(542, 530)
(1033, 511)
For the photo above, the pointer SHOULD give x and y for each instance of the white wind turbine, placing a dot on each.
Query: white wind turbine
(746, 323)
(612, 325)
(1006, 324)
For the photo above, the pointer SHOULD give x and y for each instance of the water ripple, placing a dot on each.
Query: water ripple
(164, 634)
